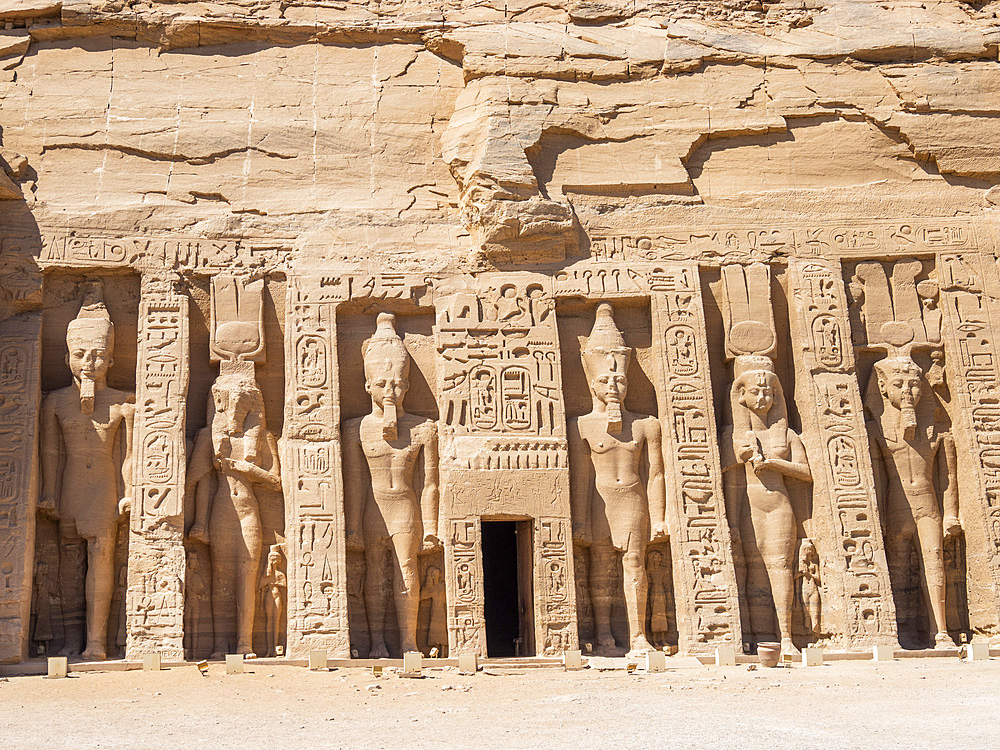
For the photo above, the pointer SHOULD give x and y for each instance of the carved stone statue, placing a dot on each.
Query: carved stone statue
(86, 456)
(243, 453)
(659, 610)
(612, 510)
(196, 596)
(383, 453)
(433, 592)
(41, 608)
(915, 448)
(810, 588)
(770, 453)
(274, 593)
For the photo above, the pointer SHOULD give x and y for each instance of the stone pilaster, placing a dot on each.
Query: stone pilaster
(156, 561)
(708, 612)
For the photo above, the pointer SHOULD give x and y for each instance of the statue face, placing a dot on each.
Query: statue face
(89, 357)
(387, 382)
(901, 387)
(610, 386)
(234, 403)
(757, 394)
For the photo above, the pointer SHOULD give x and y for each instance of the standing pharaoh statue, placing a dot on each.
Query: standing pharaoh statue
(770, 454)
(86, 456)
(237, 446)
(916, 449)
(384, 454)
(613, 509)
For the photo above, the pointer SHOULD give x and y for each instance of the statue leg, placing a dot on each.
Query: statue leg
(777, 546)
(72, 581)
(224, 572)
(930, 535)
(376, 596)
(406, 587)
(100, 589)
(603, 558)
(246, 587)
(636, 591)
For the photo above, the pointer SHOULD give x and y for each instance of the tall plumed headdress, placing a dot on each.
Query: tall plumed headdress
(384, 350)
(605, 351)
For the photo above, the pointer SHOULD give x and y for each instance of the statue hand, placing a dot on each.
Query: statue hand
(952, 527)
(243, 467)
(763, 464)
(47, 506)
(354, 542)
(431, 542)
(659, 532)
(198, 533)
(124, 506)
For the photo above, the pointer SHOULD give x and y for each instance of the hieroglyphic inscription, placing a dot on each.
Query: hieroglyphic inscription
(317, 575)
(971, 319)
(833, 421)
(155, 598)
(704, 574)
(463, 559)
(19, 403)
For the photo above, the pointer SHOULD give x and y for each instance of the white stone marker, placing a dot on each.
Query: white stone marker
(58, 666)
(317, 660)
(234, 663)
(151, 663)
(978, 651)
(412, 663)
(812, 656)
(468, 663)
(572, 660)
(883, 653)
(656, 661)
(725, 656)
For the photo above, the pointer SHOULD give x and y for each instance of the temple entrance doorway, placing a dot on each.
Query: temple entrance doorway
(507, 555)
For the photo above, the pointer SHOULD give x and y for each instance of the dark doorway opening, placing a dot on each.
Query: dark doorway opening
(507, 581)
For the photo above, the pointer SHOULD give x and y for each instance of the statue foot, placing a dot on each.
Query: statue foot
(640, 646)
(378, 651)
(787, 647)
(95, 652)
(943, 640)
(217, 656)
(607, 646)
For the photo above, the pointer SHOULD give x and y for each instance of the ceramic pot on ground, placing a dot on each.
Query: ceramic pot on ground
(769, 654)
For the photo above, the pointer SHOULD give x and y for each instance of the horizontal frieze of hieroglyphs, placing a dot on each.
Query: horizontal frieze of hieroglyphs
(738, 243)
(71, 249)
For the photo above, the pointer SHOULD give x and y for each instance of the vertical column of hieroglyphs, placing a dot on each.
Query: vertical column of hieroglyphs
(317, 576)
(503, 447)
(833, 429)
(19, 402)
(155, 597)
(969, 285)
(705, 581)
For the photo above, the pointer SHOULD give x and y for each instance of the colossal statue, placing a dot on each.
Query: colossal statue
(914, 445)
(383, 454)
(86, 457)
(761, 517)
(613, 513)
(242, 452)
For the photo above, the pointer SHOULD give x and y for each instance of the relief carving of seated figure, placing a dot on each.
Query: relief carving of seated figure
(614, 512)
(384, 452)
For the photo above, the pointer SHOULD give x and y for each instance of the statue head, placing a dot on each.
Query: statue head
(757, 386)
(274, 555)
(807, 550)
(236, 396)
(90, 342)
(387, 371)
(900, 381)
(605, 362)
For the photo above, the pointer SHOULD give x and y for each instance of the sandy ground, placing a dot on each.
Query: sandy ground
(911, 703)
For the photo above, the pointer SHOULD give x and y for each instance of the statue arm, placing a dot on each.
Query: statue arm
(581, 484)
(430, 496)
(51, 454)
(797, 467)
(949, 468)
(355, 487)
(128, 476)
(878, 465)
(198, 478)
(656, 491)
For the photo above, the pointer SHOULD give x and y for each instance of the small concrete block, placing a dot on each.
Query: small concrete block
(58, 666)
(151, 663)
(883, 653)
(234, 663)
(572, 660)
(656, 661)
(725, 656)
(412, 662)
(468, 663)
(317, 660)
(978, 651)
(812, 656)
